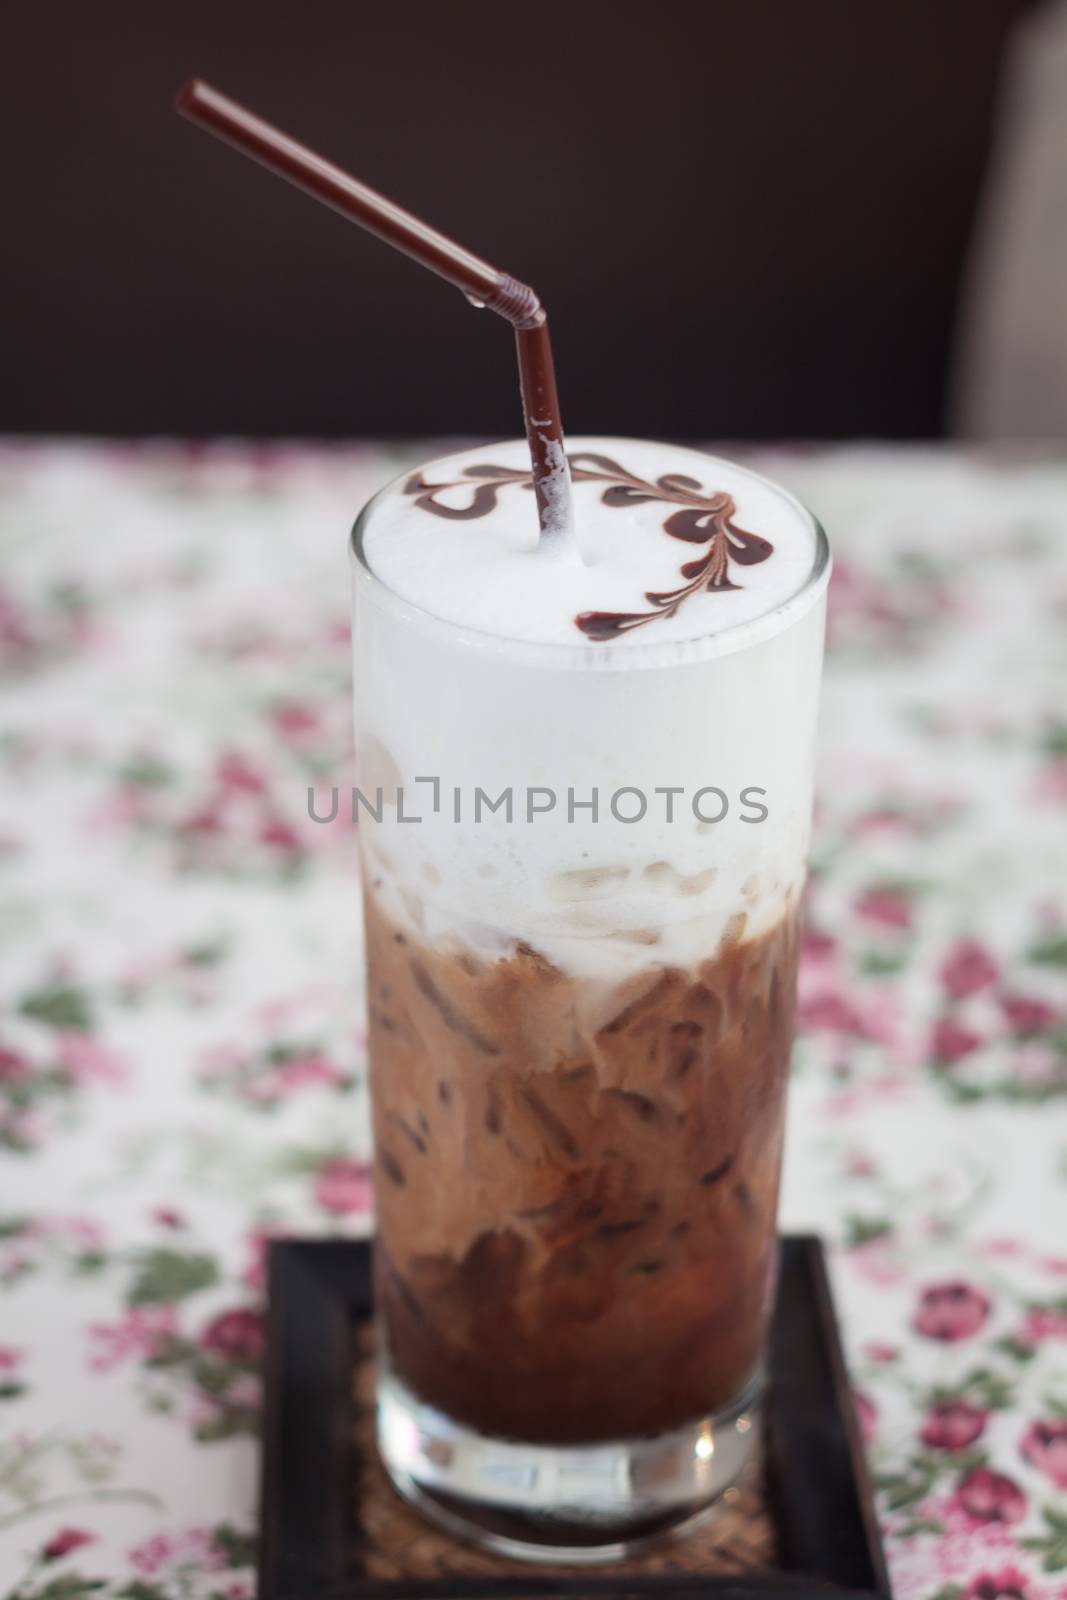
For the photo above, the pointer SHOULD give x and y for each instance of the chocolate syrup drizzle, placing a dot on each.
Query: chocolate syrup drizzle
(707, 519)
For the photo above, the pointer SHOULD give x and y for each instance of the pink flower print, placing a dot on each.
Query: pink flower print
(235, 1335)
(950, 1311)
(242, 1392)
(306, 1071)
(875, 1262)
(136, 975)
(205, 820)
(16, 638)
(344, 1187)
(1002, 1245)
(152, 1554)
(816, 948)
(866, 1415)
(950, 1041)
(140, 1334)
(277, 1015)
(83, 1230)
(280, 835)
(849, 590)
(876, 1350)
(881, 820)
(860, 1165)
(11, 843)
(1043, 1322)
(1051, 786)
(988, 1496)
(828, 1012)
(127, 807)
(1044, 1446)
(885, 908)
(167, 1217)
(85, 1060)
(10, 1358)
(295, 721)
(65, 1541)
(13, 1067)
(825, 1005)
(1009, 1583)
(220, 1060)
(255, 1268)
(84, 1233)
(953, 1425)
(236, 775)
(245, 1392)
(1027, 1015)
(881, 1016)
(967, 969)
(1036, 1064)
(162, 1549)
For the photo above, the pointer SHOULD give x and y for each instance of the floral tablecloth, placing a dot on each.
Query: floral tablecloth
(181, 1048)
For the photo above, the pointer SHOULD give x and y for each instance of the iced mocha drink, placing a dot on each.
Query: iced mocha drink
(585, 796)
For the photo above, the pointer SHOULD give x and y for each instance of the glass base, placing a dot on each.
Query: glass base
(567, 1503)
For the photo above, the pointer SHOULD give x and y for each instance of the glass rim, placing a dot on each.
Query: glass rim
(586, 654)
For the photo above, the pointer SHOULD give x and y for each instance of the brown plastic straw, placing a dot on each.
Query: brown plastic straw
(515, 302)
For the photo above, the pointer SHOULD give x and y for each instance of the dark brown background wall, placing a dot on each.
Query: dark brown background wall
(747, 217)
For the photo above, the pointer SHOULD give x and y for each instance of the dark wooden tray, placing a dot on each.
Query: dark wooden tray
(333, 1528)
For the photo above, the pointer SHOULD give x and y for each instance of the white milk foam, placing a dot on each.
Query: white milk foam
(489, 573)
(665, 706)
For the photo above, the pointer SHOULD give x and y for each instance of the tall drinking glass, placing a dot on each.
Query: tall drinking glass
(582, 872)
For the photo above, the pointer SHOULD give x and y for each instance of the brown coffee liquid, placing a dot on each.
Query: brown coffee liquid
(577, 1182)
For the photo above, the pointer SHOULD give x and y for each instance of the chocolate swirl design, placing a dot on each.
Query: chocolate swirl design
(483, 496)
(705, 519)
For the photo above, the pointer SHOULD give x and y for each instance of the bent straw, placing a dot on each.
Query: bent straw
(481, 283)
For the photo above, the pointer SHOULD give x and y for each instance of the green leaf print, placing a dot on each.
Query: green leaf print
(164, 1276)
